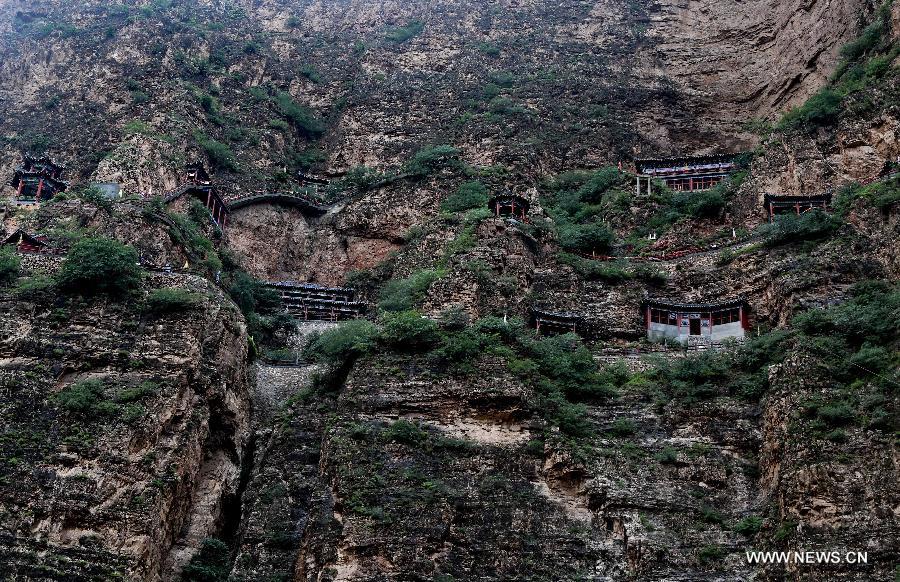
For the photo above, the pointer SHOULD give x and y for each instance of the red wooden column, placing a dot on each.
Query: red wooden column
(21, 186)
(797, 208)
(208, 199)
(771, 211)
(690, 183)
(40, 187)
(647, 318)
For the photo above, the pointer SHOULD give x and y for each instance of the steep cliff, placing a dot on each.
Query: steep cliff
(181, 431)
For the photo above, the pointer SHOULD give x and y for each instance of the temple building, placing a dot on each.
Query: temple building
(198, 185)
(695, 322)
(685, 174)
(38, 179)
(555, 322)
(776, 204)
(509, 205)
(311, 302)
(26, 243)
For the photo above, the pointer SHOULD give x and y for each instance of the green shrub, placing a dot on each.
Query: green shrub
(409, 330)
(84, 398)
(461, 349)
(488, 48)
(431, 159)
(711, 553)
(586, 238)
(822, 109)
(812, 225)
(404, 33)
(171, 300)
(219, 154)
(405, 432)
(749, 526)
(10, 266)
(310, 73)
(405, 294)
(136, 393)
(346, 342)
(622, 427)
(35, 288)
(469, 195)
(210, 564)
(304, 119)
(100, 266)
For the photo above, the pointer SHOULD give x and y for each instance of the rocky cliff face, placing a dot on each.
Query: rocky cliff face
(404, 464)
(118, 481)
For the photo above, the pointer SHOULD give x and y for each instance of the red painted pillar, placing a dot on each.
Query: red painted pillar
(40, 187)
(21, 186)
(690, 183)
(797, 208)
(771, 211)
(742, 313)
(208, 199)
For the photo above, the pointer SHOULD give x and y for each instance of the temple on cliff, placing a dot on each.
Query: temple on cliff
(26, 243)
(311, 302)
(688, 173)
(555, 322)
(38, 179)
(776, 204)
(695, 322)
(509, 205)
(197, 185)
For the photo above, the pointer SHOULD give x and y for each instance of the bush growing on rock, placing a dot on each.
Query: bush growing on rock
(304, 119)
(84, 398)
(469, 195)
(210, 564)
(100, 266)
(409, 330)
(343, 343)
(405, 294)
(813, 225)
(403, 33)
(171, 300)
(10, 266)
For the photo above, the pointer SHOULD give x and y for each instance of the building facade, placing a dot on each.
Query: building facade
(695, 322)
(688, 173)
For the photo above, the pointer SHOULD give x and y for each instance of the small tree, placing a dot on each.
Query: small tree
(468, 195)
(100, 266)
(10, 266)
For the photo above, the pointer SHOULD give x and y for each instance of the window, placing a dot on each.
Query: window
(727, 316)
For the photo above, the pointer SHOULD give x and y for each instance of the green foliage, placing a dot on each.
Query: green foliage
(405, 432)
(219, 154)
(344, 343)
(431, 159)
(488, 48)
(822, 109)
(10, 266)
(405, 294)
(711, 554)
(469, 195)
(404, 33)
(586, 238)
(310, 73)
(84, 399)
(35, 288)
(580, 202)
(303, 118)
(409, 330)
(622, 427)
(749, 526)
(210, 564)
(171, 300)
(812, 225)
(100, 266)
